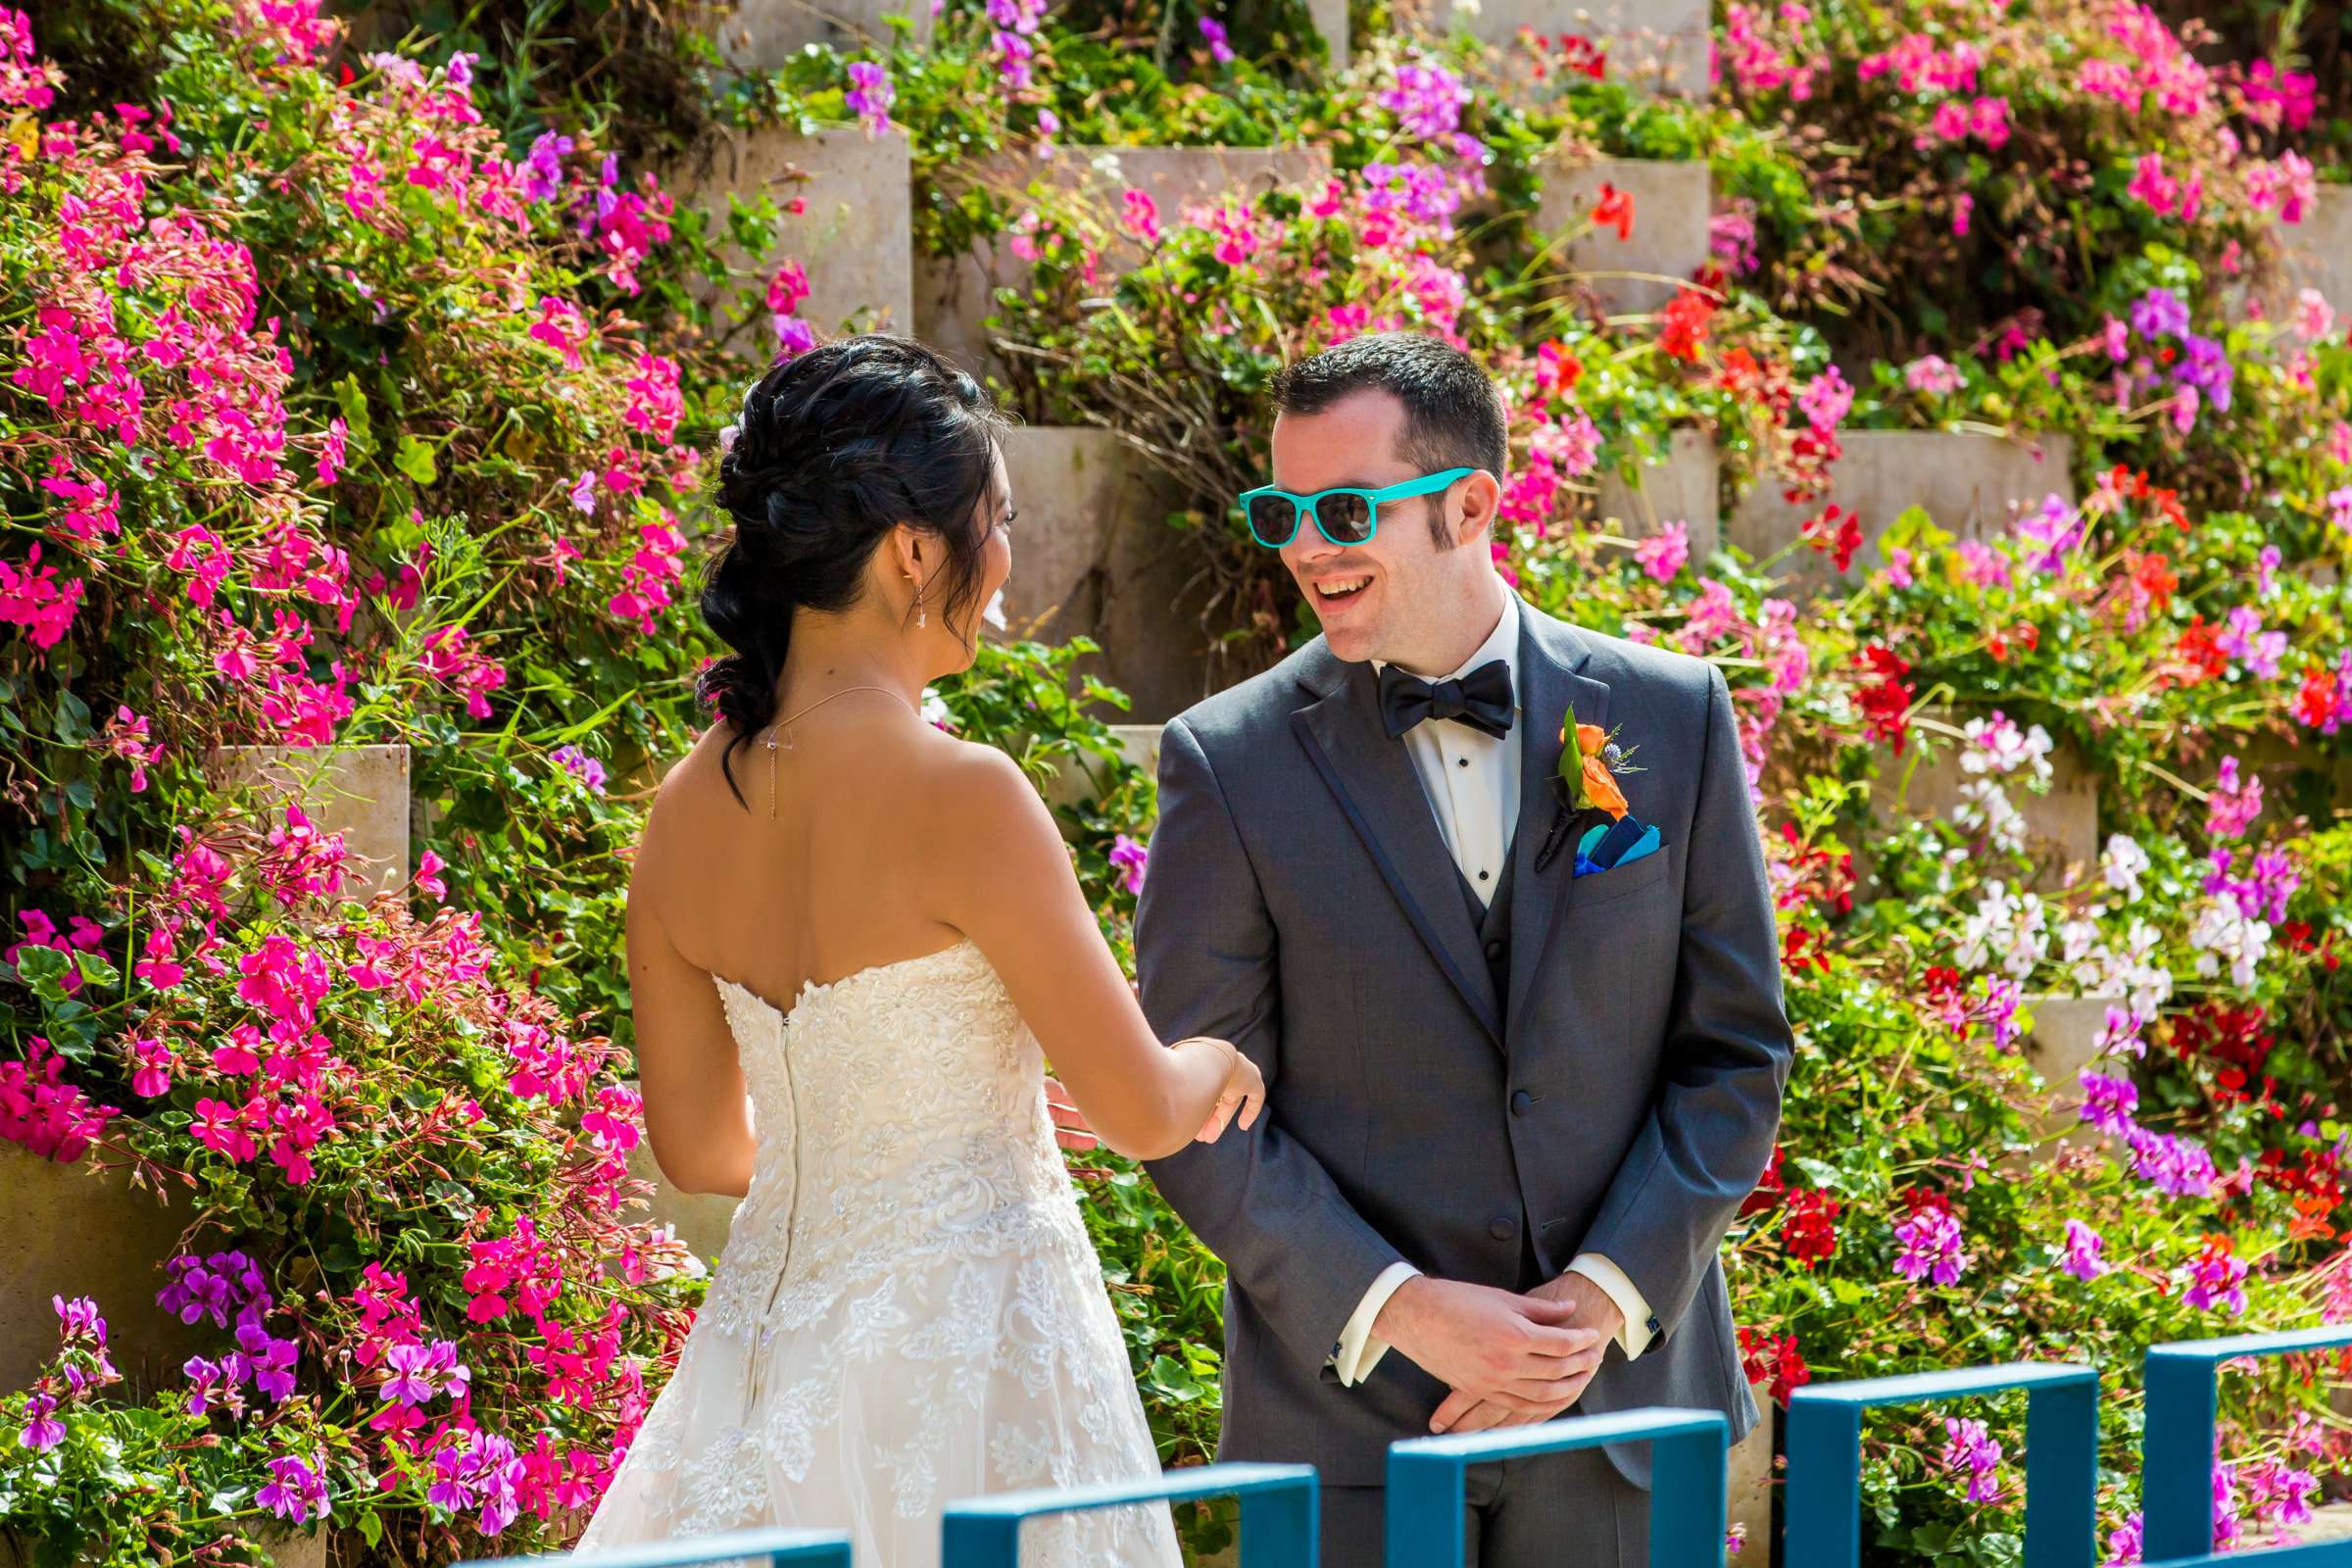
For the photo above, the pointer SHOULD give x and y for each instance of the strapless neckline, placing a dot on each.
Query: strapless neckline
(811, 990)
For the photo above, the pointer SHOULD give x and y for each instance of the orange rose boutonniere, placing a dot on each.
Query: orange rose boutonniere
(1589, 762)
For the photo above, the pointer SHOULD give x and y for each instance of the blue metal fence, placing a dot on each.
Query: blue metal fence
(1821, 1503)
(2062, 1458)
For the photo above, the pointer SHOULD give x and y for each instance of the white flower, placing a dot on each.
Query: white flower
(1108, 166)
(2122, 865)
(1986, 806)
(994, 615)
(935, 710)
(2222, 933)
(2015, 927)
(1996, 745)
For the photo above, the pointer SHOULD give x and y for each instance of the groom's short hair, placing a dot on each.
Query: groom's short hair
(1452, 413)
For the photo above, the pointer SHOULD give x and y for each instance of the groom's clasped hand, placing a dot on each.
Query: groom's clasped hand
(1509, 1360)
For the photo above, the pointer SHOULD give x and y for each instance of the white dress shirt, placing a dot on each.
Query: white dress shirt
(1472, 781)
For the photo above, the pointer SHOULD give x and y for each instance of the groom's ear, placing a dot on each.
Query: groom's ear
(1480, 498)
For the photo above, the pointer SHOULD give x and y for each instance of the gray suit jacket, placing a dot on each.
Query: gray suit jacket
(1622, 1099)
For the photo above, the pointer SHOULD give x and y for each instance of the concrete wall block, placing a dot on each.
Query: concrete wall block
(1749, 1480)
(855, 237)
(763, 35)
(80, 1231)
(1094, 556)
(1329, 19)
(358, 791)
(2317, 253)
(1668, 241)
(1682, 487)
(955, 295)
(1659, 45)
(1968, 484)
(701, 1220)
(2064, 1041)
(2062, 826)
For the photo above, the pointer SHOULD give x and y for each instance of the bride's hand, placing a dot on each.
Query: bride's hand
(1244, 1093)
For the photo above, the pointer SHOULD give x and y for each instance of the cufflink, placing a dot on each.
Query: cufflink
(1653, 1323)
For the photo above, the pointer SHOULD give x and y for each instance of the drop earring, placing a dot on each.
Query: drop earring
(922, 616)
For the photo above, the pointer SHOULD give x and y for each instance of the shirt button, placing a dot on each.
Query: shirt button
(1520, 1101)
(1461, 761)
(1502, 1230)
(1482, 876)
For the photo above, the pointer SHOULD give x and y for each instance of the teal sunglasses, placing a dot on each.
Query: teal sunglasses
(1345, 517)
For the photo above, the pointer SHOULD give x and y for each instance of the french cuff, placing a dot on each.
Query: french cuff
(1359, 1352)
(1640, 1326)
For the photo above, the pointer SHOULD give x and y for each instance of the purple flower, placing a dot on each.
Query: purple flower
(220, 1287)
(1427, 101)
(2275, 882)
(1968, 1445)
(461, 68)
(483, 1476)
(1129, 857)
(1218, 49)
(2082, 1245)
(210, 1384)
(870, 95)
(581, 765)
(1931, 1247)
(78, 1318)
(2177, 1166)
(2124, 1544)
(2215, 1279)
(583, 492)
(2158, 313)
(794, 337)
(543, 168)
(2108, 1103)
(296, 1491)
(405, 1377)
(42, 1430)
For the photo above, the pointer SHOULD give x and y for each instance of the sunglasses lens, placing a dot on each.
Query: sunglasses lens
(1345, 520)
(1273, 520)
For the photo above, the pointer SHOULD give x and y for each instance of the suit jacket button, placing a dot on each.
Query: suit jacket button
(1496, 950)
(1520, 1101)
(1502, 1230)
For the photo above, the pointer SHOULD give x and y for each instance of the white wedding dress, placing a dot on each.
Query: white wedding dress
(908, 1312)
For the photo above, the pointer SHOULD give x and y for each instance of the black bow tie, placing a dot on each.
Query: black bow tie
(1481, 700)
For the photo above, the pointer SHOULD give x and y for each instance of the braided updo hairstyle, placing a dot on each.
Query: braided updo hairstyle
(836, 447)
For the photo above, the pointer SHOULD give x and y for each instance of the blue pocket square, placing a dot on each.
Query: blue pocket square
(1607, 846)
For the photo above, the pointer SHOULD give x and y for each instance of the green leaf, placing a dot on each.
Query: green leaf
(414, 459)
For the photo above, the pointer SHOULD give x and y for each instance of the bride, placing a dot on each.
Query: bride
(849, 936)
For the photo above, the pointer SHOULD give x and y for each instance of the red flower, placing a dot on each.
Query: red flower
(1614, 209)
(1579, 54)
(1685, 329)
(1810, 1230)
(1769, 1188)
(1773, 1358)
(1835, 531)
(1887, 701)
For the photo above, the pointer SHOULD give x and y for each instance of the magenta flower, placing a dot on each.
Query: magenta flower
(870, 95)
(2215, 1279)
(1127, 856)
(42, 1430)
(1141, 216)
(2233, 805)
(2081, 1257)
(1931, 1247)
(581, 765)
(1213, 32)
(296, 1491)
(1969, 1447)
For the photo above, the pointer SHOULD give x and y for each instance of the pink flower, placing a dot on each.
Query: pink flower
(1969, 1447)
(870, 95)
(2231, 807)
(1931, 1247)
(2152, 185)
(1141, 216)
(2315, 319)
(1663, 553)
(1963, 207)
(1130, 858)
(1932, 374)
(2215, 1278)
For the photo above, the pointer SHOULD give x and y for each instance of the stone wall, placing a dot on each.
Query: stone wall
(763, 35)
(1660, 45)
(1683, 486)
(1967, 484)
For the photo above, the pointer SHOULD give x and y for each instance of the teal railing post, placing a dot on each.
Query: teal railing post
(2176, 1453)
(1279, 1516)
(800, 1548)
(1686, 1502)
(1822, 1505)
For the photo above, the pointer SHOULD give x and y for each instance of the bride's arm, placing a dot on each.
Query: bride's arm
(1001, 874)
(697, 1117)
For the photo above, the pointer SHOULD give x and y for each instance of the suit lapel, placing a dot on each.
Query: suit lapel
(1373, 779)
(1551, 682)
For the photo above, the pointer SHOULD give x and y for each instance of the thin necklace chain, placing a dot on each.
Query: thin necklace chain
(788, 719)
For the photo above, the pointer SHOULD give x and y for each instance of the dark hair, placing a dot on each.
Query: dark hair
(1452, 413)
(836, 447)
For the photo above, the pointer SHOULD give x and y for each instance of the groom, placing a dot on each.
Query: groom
(1510, 1092)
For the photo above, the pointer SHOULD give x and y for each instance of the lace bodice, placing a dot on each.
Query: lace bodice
(899, 1108)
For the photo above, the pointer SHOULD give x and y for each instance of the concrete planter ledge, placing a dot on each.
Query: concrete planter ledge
(1668, 241)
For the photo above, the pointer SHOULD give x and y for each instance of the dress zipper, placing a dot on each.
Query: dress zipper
(792, 1214)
